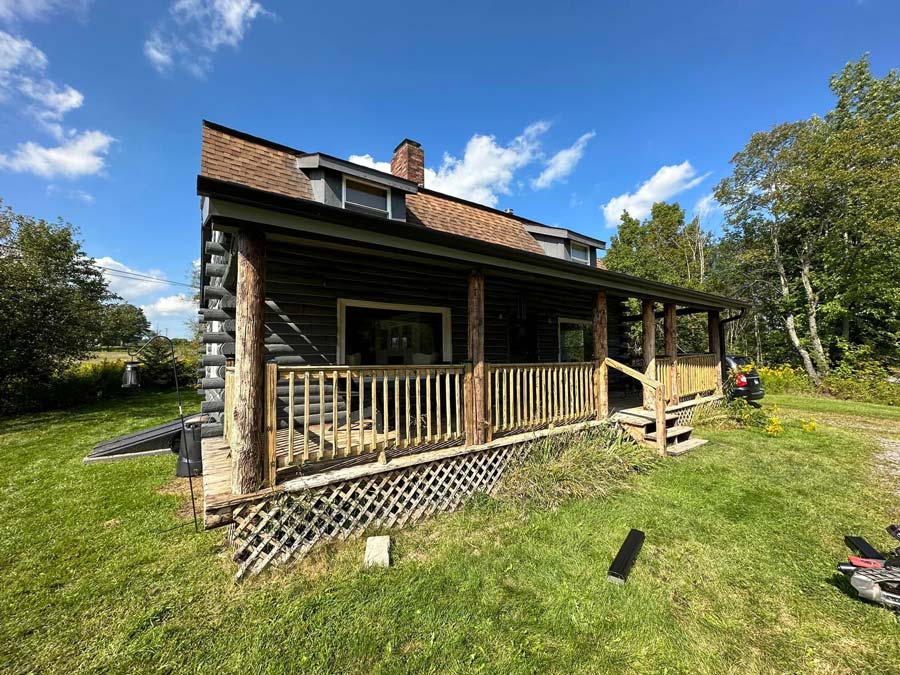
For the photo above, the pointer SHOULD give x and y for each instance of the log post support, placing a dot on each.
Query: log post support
(601, 352)
(476, 354)
(670, 323)
(249, 451)
(715, 345)
(648, 317)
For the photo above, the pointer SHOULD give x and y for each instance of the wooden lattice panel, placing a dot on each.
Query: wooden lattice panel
(686, 414)
(286, 526)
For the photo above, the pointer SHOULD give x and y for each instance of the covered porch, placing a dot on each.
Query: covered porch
(356, 359)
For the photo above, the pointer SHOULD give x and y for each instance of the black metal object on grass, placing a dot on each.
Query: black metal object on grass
(624, 560)
(865, 549)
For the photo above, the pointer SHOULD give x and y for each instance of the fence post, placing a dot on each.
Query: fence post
(271, 413)
(660, 423)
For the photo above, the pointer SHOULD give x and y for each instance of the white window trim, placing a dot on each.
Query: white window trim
(587, 250)
(344, 303)
(390, 215)
(559, 322)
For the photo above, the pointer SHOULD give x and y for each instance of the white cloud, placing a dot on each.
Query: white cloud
(133, 290)
(179, 305)
(369, 161)
(18, 55)
(83, 154)
(78, 195)
(77, 153)
(23, 10)
(663, 185)
(706, 207)
(194, 30)
(486, 168)
(563, 163)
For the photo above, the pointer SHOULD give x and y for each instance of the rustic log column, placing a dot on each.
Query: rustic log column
(476, 355)
(670, 324)
(648, 316)
(248, 455)
(715, 345)
(601, 351)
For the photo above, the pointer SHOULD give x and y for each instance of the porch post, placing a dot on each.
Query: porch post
(648, 316)
(670, 323)
(476, 428)
(248, 456)
(601, 351)
(715, 346)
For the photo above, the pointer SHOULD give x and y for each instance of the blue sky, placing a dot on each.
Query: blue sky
(566, 112)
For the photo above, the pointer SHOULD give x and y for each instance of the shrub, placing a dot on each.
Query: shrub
(589, 463)
(861, 388)
(785, 379)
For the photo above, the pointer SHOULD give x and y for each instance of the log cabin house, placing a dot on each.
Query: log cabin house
(376, 351)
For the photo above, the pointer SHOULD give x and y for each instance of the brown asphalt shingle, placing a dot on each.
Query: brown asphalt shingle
(238, 159)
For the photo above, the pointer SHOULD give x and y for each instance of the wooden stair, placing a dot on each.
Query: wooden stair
(640, 424)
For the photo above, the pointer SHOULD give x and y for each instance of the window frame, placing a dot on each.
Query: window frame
(362, 208)
(344, 303)
(573, 245)
(560, 320)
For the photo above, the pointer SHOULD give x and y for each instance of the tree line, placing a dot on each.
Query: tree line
(811, 236)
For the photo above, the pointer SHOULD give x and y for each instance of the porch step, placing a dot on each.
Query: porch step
(672, 432)
(683, 447)
(639, 418)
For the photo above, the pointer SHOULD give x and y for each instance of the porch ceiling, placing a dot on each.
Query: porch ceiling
(234, 207)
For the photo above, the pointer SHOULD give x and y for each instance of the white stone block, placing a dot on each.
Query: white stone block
(378, 552)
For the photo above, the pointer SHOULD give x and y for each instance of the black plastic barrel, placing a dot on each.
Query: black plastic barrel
(190, 461)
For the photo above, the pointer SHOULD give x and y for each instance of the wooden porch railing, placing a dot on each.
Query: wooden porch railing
(696, 374)
(228, 417)
(659, 401)
(528, 395)
(345, 411)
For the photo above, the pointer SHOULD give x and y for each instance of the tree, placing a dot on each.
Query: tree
(122, 323)
(664, 248)
(51, 300)
(812, 209)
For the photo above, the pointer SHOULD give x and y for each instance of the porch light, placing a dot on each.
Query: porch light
(131, 378)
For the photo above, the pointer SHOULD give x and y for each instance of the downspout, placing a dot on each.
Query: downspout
(722, 323)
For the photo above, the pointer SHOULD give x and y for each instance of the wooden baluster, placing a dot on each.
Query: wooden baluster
(437, 406)
(348, 411)
(290, 448)
(459, 430)
(334, 413)
(384, 415)
(397, 374)
(362, 411)
(428, 435)
(418, 409)
(374, 396)
(322, 417)
(408, 409)
(305, 415)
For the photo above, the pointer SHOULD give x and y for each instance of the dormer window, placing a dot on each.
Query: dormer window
(580, 253)
(367, 197)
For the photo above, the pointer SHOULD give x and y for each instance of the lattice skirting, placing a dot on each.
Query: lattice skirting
(686, 415)
(286, 526)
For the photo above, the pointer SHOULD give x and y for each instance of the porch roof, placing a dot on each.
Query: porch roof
(235, 205)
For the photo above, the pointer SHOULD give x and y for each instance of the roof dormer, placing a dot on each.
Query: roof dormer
(337, 182)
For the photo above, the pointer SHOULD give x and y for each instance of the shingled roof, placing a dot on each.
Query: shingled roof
(240, 158)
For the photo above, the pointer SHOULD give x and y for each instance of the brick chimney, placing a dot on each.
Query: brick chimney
(409, 161)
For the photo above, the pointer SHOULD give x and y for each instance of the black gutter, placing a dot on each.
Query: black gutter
(241, 194)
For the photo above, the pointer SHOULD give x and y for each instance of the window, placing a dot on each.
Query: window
(368, 198)
(576, 340)
(375, 333)
(580, 253)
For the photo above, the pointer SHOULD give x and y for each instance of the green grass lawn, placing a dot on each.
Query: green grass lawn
(99, 574)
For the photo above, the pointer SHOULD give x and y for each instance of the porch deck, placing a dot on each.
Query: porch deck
(219, 500)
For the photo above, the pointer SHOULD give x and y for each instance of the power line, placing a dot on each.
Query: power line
(121, 274)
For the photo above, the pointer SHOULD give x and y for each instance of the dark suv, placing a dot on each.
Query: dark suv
(742, 380)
